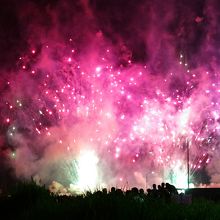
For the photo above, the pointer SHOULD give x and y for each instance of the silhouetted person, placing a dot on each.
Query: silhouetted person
(160, 193)
(104, 191)
(128, 193)
(163, 185)
(141, 192)
(119, 192)
(149, 193)
(154, 191)
(113, 190)
(164, 193)
(134, 191)
(171, 189)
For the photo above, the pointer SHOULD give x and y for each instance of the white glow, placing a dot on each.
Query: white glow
(87, 170)
(98, 69)
(183, 119)
(179, 177)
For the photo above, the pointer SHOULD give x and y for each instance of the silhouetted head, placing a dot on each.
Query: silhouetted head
(104, 191)
(113, 189)
(119, 192)
(167, 185)
(134, 190)
(141, 191)
(148, 191)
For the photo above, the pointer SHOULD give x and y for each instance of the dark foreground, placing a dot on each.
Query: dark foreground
(28, 201)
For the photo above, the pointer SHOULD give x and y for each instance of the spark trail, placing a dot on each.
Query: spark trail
(133, 123)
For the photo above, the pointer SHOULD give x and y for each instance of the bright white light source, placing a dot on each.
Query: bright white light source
(98, 69)
(87, 170)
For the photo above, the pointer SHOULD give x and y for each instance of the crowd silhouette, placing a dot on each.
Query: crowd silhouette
(113, 203)
(165, 192)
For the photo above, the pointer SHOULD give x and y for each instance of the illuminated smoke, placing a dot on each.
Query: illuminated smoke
(84, 110)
